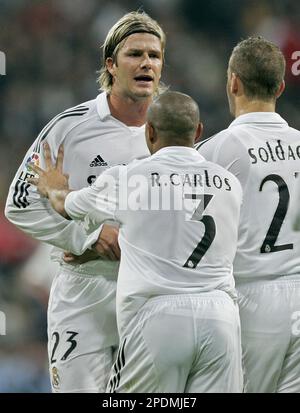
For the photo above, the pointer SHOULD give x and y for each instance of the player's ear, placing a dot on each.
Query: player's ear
(110, 65)
(147, 130)
(235, 83)
(199, 132)
(151, 133)
(281, 89)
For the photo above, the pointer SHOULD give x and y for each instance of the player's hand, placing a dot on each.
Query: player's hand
(107, 245)
(88, 255)
(52, 178)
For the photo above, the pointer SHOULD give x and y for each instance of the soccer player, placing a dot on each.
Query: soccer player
(178, 215)
(263, 152)
(97, 134)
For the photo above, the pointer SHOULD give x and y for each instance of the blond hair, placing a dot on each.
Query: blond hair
(130, 23)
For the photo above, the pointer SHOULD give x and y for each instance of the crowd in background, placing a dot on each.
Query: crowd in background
(53, 54)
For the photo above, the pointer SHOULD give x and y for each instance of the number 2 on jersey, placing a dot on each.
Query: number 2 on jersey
(209, 232)
(284, 197)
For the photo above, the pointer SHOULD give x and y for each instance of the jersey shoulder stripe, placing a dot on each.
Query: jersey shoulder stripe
(71, 110)
(20, 194)
(198, 145)
(77, 111)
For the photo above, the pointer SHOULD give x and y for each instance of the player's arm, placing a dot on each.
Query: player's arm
(95, 206)
(33, 214)
(52, 183)
(97, 201)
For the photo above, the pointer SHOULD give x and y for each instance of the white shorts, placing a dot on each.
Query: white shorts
(270, 328)
(181, 344)
(82, 332)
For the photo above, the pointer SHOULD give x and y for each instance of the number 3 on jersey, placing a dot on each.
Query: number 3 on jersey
(209, 232)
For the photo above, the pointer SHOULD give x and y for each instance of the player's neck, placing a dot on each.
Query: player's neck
(127, 110)
(248, 106)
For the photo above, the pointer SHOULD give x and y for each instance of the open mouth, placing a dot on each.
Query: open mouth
(144, 78)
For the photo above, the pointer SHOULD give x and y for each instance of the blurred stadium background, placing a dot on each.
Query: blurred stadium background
(52, 50)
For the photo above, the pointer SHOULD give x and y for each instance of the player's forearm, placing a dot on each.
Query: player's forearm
(57, 200)
(43, 223)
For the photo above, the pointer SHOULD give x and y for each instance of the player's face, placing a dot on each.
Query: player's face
(230, 96)
(138, 66)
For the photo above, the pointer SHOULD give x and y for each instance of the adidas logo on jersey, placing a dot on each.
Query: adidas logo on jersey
(98, 161)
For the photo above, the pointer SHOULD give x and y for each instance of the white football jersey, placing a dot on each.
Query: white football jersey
(178, 218)
(93, 142)
(263, 152)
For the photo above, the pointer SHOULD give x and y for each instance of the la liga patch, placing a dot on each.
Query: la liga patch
(33, 159)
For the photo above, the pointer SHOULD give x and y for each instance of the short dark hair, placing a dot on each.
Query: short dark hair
(260, 65)
(175, 116)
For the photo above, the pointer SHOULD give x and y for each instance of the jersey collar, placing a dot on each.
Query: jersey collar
(258, 117)
(102, 106)
(104, 112)
(179, 150)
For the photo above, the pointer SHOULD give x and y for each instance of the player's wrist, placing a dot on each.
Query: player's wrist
(57, 199)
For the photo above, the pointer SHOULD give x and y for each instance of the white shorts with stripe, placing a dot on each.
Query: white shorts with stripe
(82, 332)
(181, 344)
(270, 329)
